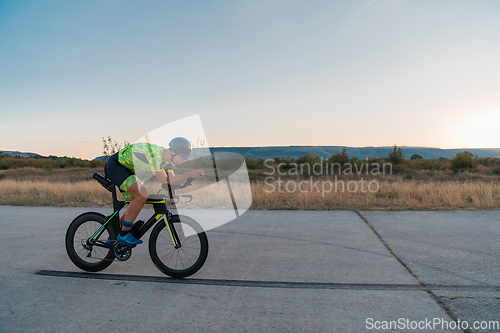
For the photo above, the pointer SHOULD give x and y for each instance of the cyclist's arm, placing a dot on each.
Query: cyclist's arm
(172, 179)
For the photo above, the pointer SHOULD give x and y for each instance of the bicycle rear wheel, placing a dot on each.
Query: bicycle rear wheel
(189, 257)
(89, 257)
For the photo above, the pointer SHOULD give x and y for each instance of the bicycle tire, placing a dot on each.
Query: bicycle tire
(79, 231)
(187, 259)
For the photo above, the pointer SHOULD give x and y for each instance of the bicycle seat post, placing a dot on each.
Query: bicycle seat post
(117, 204)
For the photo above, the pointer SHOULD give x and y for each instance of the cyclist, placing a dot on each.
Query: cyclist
(121, 168)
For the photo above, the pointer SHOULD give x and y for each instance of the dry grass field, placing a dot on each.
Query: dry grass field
(37, 187)
(437, 191)
(394, 193)
(53, 193)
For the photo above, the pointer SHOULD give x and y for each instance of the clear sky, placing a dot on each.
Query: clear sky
(259, 73)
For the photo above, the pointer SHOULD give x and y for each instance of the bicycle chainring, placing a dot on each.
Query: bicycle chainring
(122, 251)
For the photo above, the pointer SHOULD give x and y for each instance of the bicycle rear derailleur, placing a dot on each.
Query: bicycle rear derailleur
(123, 251)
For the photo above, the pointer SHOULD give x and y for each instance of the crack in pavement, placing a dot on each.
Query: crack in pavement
(423, 285)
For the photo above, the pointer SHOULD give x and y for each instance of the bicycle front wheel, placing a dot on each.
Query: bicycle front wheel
(91, 257)
(186, 259)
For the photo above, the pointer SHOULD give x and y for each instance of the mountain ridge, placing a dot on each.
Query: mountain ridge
(326, 151)
(359, 152)
(19, 154)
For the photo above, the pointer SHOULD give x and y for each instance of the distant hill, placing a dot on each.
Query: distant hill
(325, 151)
(359, 152)
(20, 154)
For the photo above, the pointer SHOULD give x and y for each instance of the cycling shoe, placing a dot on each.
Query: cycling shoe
(128, 239)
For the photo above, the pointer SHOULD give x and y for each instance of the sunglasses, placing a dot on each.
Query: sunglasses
(183, 155)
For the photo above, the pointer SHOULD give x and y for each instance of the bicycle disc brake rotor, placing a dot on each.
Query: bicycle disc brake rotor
(122, 251)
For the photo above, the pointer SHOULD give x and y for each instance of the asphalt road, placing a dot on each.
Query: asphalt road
(267, 271)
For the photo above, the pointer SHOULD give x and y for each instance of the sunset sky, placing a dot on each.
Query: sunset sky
(258, 73)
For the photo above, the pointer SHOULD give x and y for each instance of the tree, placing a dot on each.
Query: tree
(198, 144)
(341, 158)
(111, 147)
(397, 155)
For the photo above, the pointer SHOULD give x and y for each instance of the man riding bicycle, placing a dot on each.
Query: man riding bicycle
(122, 167)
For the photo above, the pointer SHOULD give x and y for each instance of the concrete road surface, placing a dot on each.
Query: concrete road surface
(267, 271)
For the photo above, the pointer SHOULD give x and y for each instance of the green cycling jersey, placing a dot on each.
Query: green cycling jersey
(143, 156)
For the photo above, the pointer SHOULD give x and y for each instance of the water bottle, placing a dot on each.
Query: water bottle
(105, 182)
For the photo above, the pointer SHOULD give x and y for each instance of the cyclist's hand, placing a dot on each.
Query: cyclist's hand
(197, 174)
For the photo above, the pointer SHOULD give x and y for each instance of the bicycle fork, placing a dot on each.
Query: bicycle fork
(171, 230)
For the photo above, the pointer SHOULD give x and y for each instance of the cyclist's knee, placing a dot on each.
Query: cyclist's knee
(139, 191)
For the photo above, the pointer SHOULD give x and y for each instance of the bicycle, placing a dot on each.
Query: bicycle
(178, 245)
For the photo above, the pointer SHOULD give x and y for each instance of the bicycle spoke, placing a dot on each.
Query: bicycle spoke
(173, 252)
(186, 253)
(82, 234)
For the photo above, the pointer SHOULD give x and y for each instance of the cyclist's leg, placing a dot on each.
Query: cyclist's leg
(122, 216)
(134, 190)
(140, 193)
(137, 195)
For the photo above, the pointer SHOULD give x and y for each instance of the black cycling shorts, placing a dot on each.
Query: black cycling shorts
(119, 175)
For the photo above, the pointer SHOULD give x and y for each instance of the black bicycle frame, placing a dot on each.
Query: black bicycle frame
(161, 211)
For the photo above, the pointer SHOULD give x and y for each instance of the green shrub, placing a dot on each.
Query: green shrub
(309, 158)
(416, 157)
(464, 161)
(425, 164)
(254, 163)
(286, 160)
(46, 163)
(490, 161)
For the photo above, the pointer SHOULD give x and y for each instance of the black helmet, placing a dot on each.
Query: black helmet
(180, 146)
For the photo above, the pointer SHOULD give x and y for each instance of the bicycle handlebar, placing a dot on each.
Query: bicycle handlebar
(186, 183)
(170, 189)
